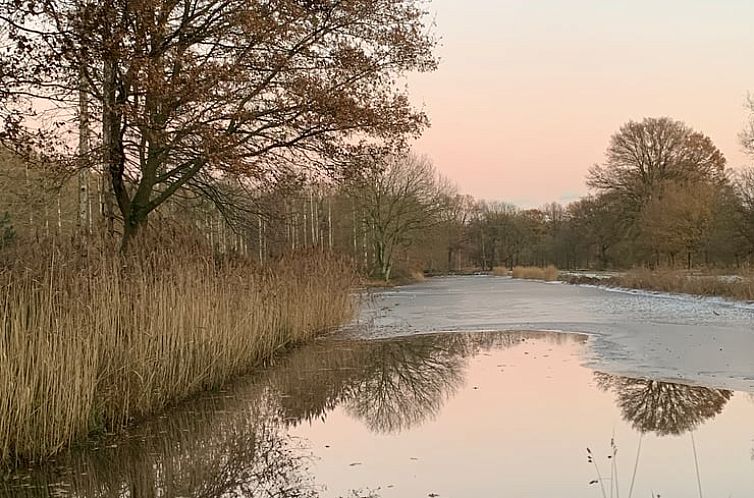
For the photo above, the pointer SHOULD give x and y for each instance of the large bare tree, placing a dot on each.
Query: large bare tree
(644, 156)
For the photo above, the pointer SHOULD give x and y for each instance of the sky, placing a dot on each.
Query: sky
(528, 92)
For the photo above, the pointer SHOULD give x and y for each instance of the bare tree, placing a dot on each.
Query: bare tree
(644, 156)
(397, 200)
(743, 185)
(601, 220)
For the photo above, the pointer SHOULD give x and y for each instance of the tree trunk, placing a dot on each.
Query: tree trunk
(484, 253)
(108, 154)
(366, 250)
(133, 220)
(83, 217)
(60, 215)
(383, 256)
(261, 240)
(355, 231)
(311, 211)
(303, 211)
(329, 223)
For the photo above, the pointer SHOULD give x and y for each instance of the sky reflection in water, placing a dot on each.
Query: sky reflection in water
(454, 415)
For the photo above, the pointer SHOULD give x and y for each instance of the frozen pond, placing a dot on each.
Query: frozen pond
(460, 388)
(709, 341)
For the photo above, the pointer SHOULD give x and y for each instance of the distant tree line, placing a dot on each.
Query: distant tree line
(663, 197)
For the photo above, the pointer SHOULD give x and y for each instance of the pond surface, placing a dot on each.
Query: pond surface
(707, 341)
(371, 413)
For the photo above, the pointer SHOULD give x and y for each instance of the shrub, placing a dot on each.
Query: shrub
(500, 271)
(549, 273)
(737, 287)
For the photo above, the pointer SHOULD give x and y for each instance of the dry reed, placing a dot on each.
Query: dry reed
(735, 287)
(500, 271)
(549, 273)
(90, 343)
(416, 276)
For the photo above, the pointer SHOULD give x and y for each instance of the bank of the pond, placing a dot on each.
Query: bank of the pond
(92, 343)
(738, 287)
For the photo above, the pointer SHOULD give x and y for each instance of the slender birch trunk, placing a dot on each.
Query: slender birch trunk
(261, 239)
(311, 211)
(84, 208)
(329, 222)
(60, 215)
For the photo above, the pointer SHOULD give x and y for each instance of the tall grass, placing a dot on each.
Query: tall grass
(90, 342)
(737, 287)
(549, 273)
(500, 271)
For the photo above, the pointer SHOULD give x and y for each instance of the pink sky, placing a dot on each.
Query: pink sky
(528, 92)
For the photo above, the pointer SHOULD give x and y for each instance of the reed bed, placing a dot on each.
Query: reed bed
(416, 276)
(501, 271)
(91, 343)
(735, 287)
(548, 273)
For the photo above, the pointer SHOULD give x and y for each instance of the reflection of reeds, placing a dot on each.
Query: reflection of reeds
(93, 342)
(223, 444)
(236, 439)
(614, 481)
(614, 484)
(636, 466)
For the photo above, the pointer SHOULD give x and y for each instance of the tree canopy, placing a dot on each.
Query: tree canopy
(644, 156)
(188, 91)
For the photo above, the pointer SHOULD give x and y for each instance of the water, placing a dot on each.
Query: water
(388, 410)
(708, 341)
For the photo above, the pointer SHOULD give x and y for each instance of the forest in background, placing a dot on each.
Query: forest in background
(663, 198)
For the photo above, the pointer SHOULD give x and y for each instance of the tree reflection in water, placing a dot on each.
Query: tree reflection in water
(664, 408)
(212, 448)
(406, 382)
(235, 443)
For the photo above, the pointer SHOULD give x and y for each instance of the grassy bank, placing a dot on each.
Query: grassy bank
(548, 273)
(90, 343)
(735, 287)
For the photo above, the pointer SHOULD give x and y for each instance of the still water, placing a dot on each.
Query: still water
(707, 341)
(371, 413)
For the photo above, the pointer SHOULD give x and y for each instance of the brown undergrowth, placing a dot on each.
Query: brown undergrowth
(548, 273)
(739, 287)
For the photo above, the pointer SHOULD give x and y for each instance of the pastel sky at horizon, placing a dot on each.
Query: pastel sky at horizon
(528, 92)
